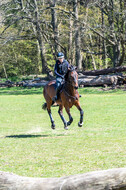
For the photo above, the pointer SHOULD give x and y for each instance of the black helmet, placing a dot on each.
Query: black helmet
(60, 55)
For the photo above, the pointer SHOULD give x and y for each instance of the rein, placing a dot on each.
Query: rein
(68, 93)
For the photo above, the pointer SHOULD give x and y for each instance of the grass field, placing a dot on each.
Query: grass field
(29, 147)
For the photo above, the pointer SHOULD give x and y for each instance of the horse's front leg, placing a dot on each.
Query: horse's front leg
(69, 114)
(62, 117)
(81, 114)
(51, 118)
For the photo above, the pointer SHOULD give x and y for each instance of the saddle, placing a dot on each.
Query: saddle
(60, 89)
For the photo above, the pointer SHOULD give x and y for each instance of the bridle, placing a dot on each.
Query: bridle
(69, 82)
(70, 95)
(67, 92)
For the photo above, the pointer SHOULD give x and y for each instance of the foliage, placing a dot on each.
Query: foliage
(32, 32)
(20, 58)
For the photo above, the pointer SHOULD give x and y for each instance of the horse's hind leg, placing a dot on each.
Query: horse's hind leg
(50, 114)
(51, 118)
(61, 115)
(69, 114)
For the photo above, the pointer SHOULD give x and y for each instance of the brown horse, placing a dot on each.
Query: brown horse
(69, 96)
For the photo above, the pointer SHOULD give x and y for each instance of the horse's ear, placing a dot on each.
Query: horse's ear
(74, 68)
(71, 67)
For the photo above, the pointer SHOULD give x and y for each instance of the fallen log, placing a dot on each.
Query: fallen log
(32, 83)
(98, 80)
(104, 71)
(7, 83)
(83, 80)
(114, 179)
(36, 85)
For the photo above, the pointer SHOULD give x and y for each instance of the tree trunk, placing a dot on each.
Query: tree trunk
(70, 41)
(42, 56)
(93, 60)
(112, 31)
(123, 56)
(117, 58)
(98, 180)
(105, 53)
(77, 37)
(122, 36)
(40, 40)
(54, 25)
(5, 72)
(116, 52)
(103, 40)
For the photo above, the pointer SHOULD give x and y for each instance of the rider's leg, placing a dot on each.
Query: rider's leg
(58, 86)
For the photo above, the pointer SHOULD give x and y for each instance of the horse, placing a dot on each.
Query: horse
(68, 97)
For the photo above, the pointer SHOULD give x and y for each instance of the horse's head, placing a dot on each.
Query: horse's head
(72, 77)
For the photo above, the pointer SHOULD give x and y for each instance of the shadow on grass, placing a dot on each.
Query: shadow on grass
(35, 136)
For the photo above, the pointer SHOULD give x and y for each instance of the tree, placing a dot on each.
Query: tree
(54, 25)
(22, 13)
(115, 28)
(77, 36)
(90, 33)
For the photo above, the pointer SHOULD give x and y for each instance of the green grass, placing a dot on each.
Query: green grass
(29, 147)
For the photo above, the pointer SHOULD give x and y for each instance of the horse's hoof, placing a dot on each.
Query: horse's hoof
(68, 123)
(53, 126)
(65, 127)
(80, 124)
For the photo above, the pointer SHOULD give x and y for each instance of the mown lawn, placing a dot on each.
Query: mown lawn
(29, 147)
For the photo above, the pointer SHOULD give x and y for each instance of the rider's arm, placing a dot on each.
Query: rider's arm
(68, 64)
(55, 71)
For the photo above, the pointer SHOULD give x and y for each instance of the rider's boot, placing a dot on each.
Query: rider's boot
(56, 96)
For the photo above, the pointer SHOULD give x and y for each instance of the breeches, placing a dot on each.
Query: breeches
(58, 82)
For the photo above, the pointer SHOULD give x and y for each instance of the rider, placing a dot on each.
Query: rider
(61, 68)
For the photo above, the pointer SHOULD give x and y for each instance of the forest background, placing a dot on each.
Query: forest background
(91, 34)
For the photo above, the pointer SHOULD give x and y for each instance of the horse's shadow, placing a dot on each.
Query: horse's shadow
(35, 136)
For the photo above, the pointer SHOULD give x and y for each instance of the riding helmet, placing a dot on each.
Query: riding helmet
(60, 55)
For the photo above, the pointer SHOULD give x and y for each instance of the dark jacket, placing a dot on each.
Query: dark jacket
(61, 68)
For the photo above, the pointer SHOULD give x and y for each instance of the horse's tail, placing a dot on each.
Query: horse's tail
(44, 106)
